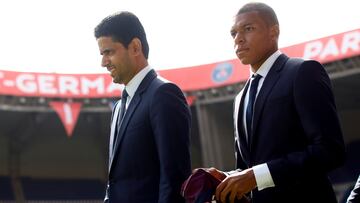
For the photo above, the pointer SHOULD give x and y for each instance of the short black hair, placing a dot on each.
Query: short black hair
(266, 12)
(123, 27)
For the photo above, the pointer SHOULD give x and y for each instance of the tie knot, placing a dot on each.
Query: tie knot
(124, 94)
(256, 76)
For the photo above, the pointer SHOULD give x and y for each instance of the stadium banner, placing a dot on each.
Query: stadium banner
(325, 50)
(57, 85)
(68, 113)
(328, 49)
(28, 84)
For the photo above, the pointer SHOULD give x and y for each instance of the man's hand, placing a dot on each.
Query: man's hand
(216, 173)
(236, 186)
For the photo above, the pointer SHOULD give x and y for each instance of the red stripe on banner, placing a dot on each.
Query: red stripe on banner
(57, 85)
(207, 76)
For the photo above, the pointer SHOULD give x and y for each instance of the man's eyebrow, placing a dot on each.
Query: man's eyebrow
(105, 51)
(233, 28)
(246, 24)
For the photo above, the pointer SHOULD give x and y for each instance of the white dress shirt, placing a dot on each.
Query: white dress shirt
(261, 171)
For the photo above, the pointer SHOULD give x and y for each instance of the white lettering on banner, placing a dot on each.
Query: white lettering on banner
(9, 83)
(46, 84)
(25, 82)
(68, 84)
(68, 114)
(312, 49)
(87, 84)
(59, 85)
(323, 49)
(351, 41)
(330, 49)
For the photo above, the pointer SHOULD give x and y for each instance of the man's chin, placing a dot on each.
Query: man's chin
(116, 80)
(244, 61)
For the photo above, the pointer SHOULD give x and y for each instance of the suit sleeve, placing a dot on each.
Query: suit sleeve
(171, 120)
(315, 107)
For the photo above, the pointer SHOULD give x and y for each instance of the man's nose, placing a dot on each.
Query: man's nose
(239, 39)
(104, 61)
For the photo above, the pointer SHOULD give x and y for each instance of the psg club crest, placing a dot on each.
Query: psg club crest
(222, 72)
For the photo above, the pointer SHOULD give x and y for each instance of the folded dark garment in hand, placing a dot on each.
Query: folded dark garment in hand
(199, 187)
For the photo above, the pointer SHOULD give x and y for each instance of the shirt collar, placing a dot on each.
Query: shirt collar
(134, 83)
(265, 67)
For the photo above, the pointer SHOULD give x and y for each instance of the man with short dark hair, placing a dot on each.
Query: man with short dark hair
(149, 155)
(287, 131)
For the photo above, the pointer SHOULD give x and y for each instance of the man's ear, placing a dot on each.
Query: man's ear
(275, 32)
(135, 47)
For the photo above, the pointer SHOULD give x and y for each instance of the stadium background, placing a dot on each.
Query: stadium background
(54, 128)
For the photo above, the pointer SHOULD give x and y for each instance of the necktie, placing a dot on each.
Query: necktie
(250, 107)
(121, 115)
(123, 105)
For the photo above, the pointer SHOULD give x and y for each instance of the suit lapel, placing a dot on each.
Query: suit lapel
(130, 111)
(269, 82)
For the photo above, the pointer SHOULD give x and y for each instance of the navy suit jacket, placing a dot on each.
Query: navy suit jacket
(151, 157)
(296, 131)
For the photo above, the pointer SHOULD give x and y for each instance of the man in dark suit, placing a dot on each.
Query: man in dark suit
(149, 141)
(287, 132)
